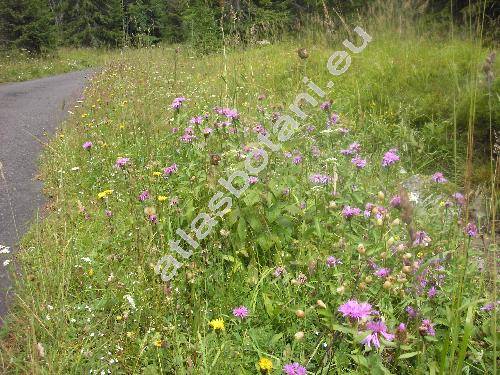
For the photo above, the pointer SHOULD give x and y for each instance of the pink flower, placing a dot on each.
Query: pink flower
(382, 272)
(352, 309)
(353, 149)
(325, 106)
(240, 312)
(319, 179)
(349, 212)
(359, 162)
(396, 201)
(253, 180)
(144, 196)
(197, 120)
(471, 230)
(439, 178)
(294, 369)
(421, 238)
(459, 198)
(427, 328)
(87, 145)
(121, 162)
(376, 328)
(170, 170)
(331, 261)
(177, 102)
(390, 157)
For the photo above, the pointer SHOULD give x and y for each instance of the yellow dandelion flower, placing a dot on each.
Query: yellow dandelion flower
(158, 343)
(118, 318)
(104, 194)
(130, 334)
(157, 174)
(90, 272)
(265, 365)
(217, 324)
(162, 198)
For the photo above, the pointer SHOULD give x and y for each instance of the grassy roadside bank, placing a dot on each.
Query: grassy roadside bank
(293, 250)
(17, 66)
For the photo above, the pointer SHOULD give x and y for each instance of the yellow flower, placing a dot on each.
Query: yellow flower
(265, 365)
(104, 194)
(217, 324)
(157, 174)
(118, 318)
(158, 343)
(162, 198)
(130, 334)
(90, 272)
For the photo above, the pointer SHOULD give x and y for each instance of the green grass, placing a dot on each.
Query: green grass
(80, 266)
(16, 66)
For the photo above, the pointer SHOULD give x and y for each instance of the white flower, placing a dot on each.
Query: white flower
(130, 300)
(413, 197)
(6, 262)
(4, 249)
(87, 259)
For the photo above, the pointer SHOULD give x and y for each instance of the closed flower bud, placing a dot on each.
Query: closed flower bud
(390, 241)
(332, 205)
(321, 304)
(380, 221)
(362, 285)
(395, 222)
(300, 313)
(368, 279)
(341, 289)
(406, 256)
(299, 336)
(406, 269)
(381, 195)
(361, 248)
(387, 284)
(383, 254)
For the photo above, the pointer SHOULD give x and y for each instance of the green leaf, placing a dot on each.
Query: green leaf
(268, 305)
(409, 355)
(242, 229)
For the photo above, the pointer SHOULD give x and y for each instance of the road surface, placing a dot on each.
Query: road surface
(29, 113)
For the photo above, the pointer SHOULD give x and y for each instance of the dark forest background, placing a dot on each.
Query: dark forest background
(41, 25)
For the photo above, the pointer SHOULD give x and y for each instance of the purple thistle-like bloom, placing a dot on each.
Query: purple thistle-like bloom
(459, 198)
(354, 310)
(412, 313)
(353, 149)
(490, 306)
(227, 112)
(439, 178)
(334, 119)
(167, 171)
(431, 293)
(240, 312)
(253, 180)
(297, 159)
(331, 261)
(427, 328)
(144, 196)
(471, 230)
(87, 145)
(294, 369)
(177, 102)
(359, 162)
(197, 120)
(395, 201)
(279, 271)
(108, 213)
(121, 162)
(325, 106)
(390, 157)
(376, 328)
(349, 212)
(319, 179)
(207, 131)
(382, 272)
(421, 238)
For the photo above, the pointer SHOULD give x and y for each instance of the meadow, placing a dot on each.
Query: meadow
(353, 252)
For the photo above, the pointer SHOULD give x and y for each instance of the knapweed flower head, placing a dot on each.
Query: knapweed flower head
(122, 162)
(279, 271)
(319, 179)
(331, 261)
(217, 324)
(439, 178)
(297, 159)
(377, 328)
(294, 369)
(355, 310)
(431, 293)
(253, 180)
(395, 201)
(421, 239)
(382, 272)
(168, 171)
(325, 106)
(459, 198)
(412, 313)
(358, 162)
(334, 119)
(390, 157)
(349, 212)
(240, 312)
(207, 131)
(427, 328)
(87, 145)
(144, 196)
(265, 365)
(177, 102)
(353, 149)
(197, 120)
(227, 112)
(490, 306)
(471, 230)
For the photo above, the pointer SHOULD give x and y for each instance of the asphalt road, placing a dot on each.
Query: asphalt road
(29, 113)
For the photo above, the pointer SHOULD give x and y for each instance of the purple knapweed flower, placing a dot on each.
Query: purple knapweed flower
(376, 328)
(253, 180)
(144, 196)
(325, 106)
(431, 293)
(240, 312)
(279, 271)
(207, 131)
(358, 162)
(319, 179)
(87, 145)
(297, 159)
(459, 198)
(349, 212)
(331, 261)
(382, 272)
(167, 171)
(197, 120)
(294, 369)
(412, 313)
(395, 201)
(121, 162)
(177, 102)
(390, 157)
(353, 309)
(427, 328)
(471, 230)
(421, 238)
(353, 149)
(439, 178)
